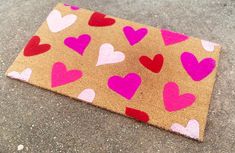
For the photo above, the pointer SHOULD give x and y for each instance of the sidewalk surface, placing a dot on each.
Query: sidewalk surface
(36, 120)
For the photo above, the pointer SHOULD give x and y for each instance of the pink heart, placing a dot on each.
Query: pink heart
(170, 37)
(60, 76)
(134, 36)
(197, 71)
(126, 86)
(173, 101)
(78, 44)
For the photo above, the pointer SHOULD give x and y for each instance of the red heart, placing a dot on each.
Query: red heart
(34, 48)
(154, 65)
(137, 114)
(98, 20)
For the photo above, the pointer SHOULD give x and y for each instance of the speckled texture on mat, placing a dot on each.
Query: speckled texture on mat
(36, 120)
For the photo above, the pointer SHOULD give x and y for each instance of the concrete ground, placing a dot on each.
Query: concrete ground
(35, 120)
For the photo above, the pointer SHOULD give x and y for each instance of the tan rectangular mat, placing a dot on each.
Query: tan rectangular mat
(156, 76)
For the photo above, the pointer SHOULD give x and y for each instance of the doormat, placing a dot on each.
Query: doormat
(156, 76)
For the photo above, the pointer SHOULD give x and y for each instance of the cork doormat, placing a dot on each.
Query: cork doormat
(156, 76)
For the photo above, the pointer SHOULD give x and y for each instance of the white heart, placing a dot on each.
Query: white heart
(107, 55)
(87, 95)
(24, 75)
(57, 23)
(191, 130)
(208, 46)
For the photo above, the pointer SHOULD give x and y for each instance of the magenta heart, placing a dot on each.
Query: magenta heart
(126, 86)
(134, 36)
(60, 76)
(173, 101)
(197, 71)
(72, 7)
(78, 44)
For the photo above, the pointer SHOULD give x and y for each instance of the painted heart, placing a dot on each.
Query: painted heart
(57, 23)
(78, 44)
(24, 75)
(191, 130)
(126, 86)
(137, 114)
(60, 75)
(34, 48)
(107, 55)
(99, 20)
(170, 37)
(87, 95)
(134, 36)
(197, 70)
(154, 65)
(72, 7)
(173, 101)
(208, 46)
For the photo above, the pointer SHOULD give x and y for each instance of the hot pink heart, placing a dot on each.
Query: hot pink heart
(78, 44)
(60, 75)
(170, 37)
(134, 36)
(197, 70)
(126, 86)
(173, 101)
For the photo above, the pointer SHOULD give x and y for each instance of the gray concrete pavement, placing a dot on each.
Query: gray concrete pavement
(36, 120)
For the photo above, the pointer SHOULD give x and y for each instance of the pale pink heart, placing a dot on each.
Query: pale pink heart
(24, 75)
(191, 130)
(60, 75)
(208, 46)
(170, 37)
(126, 86)
(78, 44)
(197, 70)
(57, 23)
(87, 95)
(173, 101)
(134, 36)
(107, 55)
